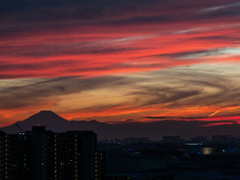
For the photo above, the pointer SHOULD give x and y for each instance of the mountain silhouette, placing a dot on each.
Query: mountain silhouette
(45, 117)
(53, 122)
(154, 130)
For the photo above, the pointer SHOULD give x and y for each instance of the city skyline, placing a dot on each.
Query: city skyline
(120, 60)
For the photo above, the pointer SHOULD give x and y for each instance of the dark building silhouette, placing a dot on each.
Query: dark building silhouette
(171, 139)
(199, 139)
(221, 138)
(45, 155)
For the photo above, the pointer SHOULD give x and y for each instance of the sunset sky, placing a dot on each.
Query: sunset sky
(119, 60)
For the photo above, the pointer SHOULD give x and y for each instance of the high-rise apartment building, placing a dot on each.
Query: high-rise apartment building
(45, 155)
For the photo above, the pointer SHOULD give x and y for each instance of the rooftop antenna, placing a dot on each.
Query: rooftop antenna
(19, 127)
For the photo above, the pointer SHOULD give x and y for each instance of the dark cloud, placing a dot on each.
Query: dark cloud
(47, 91)
(113, 67)
(217, 38)
(117, 12)
(189, 88)
(174, 17)
(190, 54)
(158, 117)
(204, 120)
(64, 48)
(165, 95)
(14, 76)
(36, 65)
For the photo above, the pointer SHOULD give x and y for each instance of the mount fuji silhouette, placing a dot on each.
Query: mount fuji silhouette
(53, 122)
(45, 117)
(154, 130)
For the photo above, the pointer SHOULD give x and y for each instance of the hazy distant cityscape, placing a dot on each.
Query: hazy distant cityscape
(173, 158)
(80, 155)
(173, 139)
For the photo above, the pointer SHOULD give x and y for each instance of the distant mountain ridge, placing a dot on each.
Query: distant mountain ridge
(154, 130)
